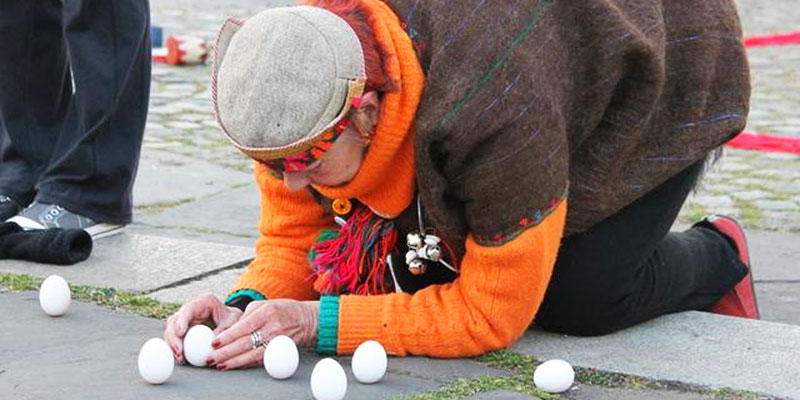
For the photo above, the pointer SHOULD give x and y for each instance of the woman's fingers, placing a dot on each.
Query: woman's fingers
(242, 328)
(191, 313)
(225, 317)
(174, 341)
(253, 306)
(248, 359)
(225, 353)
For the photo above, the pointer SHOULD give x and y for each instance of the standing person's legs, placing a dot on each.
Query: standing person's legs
(34, 93)
(94, 163)
(629, 268)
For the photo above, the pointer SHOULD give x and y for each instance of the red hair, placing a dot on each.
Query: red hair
(355, 16)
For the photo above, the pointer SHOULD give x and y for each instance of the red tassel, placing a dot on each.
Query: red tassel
(354, 260)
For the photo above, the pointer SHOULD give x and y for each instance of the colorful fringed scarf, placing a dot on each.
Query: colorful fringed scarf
(352, 260)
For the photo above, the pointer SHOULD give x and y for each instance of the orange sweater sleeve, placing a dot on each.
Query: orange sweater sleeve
(488, 307)
(290, 223)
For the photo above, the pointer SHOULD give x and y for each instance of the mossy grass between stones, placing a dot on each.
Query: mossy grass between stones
(161, 206)
(751, 215)
(106, 297)
(692, 212)
(202, 230)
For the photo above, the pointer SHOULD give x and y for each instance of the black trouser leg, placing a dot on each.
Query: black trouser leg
(34, 91)
(94, 163)
(629, 268)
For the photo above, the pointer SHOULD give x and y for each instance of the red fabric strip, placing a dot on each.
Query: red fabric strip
(764, 142)
(773, 40)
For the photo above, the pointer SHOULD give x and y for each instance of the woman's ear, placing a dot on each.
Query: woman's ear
(370, 110)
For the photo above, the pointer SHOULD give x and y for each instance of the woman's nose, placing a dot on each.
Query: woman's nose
(295, 180)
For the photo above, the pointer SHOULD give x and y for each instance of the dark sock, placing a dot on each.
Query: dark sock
(50, 246)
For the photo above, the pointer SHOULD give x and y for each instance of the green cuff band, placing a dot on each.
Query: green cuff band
(252, 294)
(328, 326)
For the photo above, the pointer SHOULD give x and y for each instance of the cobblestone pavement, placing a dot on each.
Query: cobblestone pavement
(762, 189)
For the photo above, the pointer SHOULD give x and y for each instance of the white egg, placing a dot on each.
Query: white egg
(54, 296)
(554, 376)
(197, 345)
(281, 357)
(328, 381)
(369, 362)
(156, 361)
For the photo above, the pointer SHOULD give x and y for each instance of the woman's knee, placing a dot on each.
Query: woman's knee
(585, 314)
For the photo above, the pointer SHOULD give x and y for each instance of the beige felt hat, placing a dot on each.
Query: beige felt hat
(283, 77)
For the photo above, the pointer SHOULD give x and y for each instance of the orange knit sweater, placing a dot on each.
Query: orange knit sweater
(499, 289)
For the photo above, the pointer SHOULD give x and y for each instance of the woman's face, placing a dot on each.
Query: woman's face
(341, 162)
(338, 166)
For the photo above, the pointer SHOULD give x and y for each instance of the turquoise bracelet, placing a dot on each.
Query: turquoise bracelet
(328, 326)
(254, 295)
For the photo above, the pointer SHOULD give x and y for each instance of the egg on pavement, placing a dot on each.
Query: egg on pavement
(281, 357)
(156, 361)
(369, 362)
(197, 345)
(54, 296)
(328, 380)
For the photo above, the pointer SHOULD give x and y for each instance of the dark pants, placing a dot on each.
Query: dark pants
(629, 268)
(74, 87)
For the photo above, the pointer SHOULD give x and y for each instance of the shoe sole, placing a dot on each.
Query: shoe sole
(100, 231)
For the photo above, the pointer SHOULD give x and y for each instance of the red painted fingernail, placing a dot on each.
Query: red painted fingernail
(221, 367)
(209, 361)
(215, 344)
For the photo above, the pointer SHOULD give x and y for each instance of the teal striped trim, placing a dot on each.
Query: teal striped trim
(245, 292)
(328, 326)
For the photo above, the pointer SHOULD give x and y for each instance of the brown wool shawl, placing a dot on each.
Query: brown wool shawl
(600, 100)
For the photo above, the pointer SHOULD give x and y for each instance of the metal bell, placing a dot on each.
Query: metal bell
(414, 241)
(433, 253)
(416, 267)
(432, 240)
(411, 255)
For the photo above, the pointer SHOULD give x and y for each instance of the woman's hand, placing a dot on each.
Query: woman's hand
(296, 319)
(206, 309)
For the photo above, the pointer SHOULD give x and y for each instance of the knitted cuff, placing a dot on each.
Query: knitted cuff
(328, 326)
(241, 298)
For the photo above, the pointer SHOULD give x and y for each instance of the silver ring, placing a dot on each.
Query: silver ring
(255, 339)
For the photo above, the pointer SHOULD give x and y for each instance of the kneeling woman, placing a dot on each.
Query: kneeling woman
(437, 178)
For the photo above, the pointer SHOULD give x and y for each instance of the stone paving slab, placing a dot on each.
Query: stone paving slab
(776, 269)
(233, 212)
(90, 353)
(775, 256)
(779, 302)
(139, 263)
(191, 234)
(440, 370)
(693, 347)
(187, 179)
(218, 284)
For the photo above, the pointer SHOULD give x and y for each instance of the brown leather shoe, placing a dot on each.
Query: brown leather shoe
(741, 301)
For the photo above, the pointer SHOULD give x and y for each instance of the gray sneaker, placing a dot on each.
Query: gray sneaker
(8, 208)
(48, 216)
